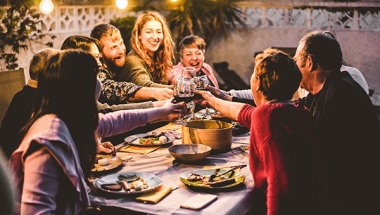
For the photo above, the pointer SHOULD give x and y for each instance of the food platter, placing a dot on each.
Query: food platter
(113, 162)
(152, 139)
(206, 173)
(151, 182)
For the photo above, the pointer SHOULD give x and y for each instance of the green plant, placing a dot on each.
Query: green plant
(125, 25)
(205, 18)
(19, 28)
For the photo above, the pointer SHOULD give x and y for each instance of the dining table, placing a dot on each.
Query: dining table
(159, 162)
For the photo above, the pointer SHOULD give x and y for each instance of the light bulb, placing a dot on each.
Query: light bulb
(173, 0)
(46, 6)
(121, 4)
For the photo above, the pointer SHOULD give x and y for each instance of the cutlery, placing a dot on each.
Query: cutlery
(232, 168)
(124, 144)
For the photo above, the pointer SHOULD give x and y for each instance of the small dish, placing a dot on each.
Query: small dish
(109, 162)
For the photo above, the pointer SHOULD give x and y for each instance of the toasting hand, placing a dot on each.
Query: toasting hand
(219, 93)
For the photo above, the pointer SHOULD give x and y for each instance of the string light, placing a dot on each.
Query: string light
(121, 4)
(46, 6)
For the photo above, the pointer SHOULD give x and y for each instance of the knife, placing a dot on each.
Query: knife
(121, 145)
(232, 168)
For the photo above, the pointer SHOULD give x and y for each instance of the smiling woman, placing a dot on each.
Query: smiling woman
(152, 52)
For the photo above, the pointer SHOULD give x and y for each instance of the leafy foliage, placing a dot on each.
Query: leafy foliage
(204, 18)
(125, 25)
(19, 27)
(207, 18)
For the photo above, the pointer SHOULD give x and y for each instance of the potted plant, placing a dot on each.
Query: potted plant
(19, 27)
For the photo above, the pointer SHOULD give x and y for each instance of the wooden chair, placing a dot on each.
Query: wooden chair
(230, 78)
(11, 82)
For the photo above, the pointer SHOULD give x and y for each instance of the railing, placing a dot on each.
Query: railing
(347, 16)
(331, 15)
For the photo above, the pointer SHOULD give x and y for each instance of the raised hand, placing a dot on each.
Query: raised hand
(162, 93)
(219, 93)
(205, 96)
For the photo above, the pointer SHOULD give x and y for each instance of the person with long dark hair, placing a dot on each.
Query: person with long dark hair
(59, 143)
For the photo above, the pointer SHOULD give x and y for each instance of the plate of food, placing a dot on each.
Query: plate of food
(213, 178)
(106, 163)
(128, 183)
(150, 139)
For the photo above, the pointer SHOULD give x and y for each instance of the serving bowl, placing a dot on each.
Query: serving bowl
(189, 153)
(214, 133)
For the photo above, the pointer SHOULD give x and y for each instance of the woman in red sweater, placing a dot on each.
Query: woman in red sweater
(284, 158)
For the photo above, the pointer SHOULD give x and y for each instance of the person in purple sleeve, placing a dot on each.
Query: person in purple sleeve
(58, 143)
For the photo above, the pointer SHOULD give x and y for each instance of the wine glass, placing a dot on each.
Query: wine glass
(201, 82)
(183, 92)
(189, 72)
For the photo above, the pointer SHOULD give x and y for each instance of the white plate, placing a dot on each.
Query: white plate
(153, 182)
(135, 139)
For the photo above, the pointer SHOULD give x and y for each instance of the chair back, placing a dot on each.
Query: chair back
(11, 81)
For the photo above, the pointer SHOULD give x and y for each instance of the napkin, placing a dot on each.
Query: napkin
(155, 196)
(139, 149)
(170, 126)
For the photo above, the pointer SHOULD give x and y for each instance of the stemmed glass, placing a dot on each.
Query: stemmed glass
(201, 82)
(183, 92)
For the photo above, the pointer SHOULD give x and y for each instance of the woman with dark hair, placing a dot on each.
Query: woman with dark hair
(59, 143)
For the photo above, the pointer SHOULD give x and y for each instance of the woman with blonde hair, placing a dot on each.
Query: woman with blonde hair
(152, 52)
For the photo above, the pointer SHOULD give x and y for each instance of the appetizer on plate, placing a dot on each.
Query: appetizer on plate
(126, 183)
(153, 139)
(214, 178)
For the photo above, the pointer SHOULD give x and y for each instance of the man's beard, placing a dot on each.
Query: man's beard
(110, 65)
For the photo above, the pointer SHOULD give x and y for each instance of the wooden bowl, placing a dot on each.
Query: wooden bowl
(189, 153)
(214, 133)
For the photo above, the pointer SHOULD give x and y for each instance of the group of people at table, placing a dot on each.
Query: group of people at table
(316, 154)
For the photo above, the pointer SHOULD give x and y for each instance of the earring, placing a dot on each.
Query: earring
(257, 90)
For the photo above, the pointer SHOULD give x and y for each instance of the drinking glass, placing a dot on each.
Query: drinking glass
(189, 72)
(183, 92)
(201, 82)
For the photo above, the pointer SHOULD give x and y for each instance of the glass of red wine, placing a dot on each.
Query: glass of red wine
(201, 82)
(183, 92)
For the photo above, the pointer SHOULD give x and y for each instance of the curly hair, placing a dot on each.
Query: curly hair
(278, 73)
(162, 60)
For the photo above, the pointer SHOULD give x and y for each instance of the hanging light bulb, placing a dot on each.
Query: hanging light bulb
(121, 4)
(173, 0)
(46, 6)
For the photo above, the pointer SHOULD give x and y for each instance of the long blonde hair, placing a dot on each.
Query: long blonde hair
(162, 60)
